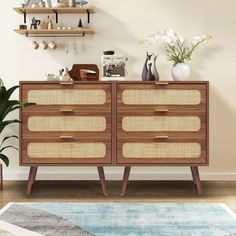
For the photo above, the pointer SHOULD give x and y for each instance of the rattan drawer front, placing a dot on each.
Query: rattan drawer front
(161, 97)
(67, 123)
(66, 150)
(161, 123)
(67, 96)
(161, 150)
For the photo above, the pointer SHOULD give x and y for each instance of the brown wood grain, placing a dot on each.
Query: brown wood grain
(26, 87)
(45, 113)
(200, 110)
(114, 110)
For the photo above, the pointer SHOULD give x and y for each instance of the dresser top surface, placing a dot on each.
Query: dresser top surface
(116, 82)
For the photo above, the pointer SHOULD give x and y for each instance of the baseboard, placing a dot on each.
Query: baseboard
(118, 176)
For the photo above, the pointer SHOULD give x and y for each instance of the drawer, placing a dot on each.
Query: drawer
(54, 95)
(145, 124)
(51, 150)
(55, 123)
(163, 94)
(164, 151)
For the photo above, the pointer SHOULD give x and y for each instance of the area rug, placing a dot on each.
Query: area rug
(117, 219)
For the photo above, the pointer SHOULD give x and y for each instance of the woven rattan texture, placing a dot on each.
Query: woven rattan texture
(66, 150)
(67, 96)
(161, 123)
(67, 123)
(161, 97)
(161, 150)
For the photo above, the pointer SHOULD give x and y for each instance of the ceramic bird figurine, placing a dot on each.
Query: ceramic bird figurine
(145, 68)
(150, 76)
(155, 72)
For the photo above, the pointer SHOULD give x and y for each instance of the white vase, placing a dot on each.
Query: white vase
(181, 72)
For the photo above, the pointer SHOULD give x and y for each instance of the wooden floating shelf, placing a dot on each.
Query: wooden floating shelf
(54, 32)
(51, 10)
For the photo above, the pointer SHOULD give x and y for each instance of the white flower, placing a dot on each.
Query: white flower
(171, 34)
(151, 39)
(166, 39)
(180, 38)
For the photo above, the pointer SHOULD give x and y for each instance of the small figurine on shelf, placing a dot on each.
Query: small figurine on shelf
(65, 76)
(145, 68)
(42, 3)
(150, 73)
(71, 3)
(34, 23)
(150, 76)
(80, 25)
(50, 24)
(155, 72)
(60, 3)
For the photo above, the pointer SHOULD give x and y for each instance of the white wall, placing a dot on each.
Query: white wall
(119, 25)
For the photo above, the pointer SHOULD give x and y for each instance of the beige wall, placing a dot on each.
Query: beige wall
(119, 25)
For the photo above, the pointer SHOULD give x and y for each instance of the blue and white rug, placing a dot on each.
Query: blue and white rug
(117, 219)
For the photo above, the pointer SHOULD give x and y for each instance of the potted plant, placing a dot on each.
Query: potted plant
(178, 50)
(6, 107)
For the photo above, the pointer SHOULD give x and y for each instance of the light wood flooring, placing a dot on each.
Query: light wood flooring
(137, 191)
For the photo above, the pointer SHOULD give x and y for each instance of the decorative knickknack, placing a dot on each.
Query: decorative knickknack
(181, 71)
(150, 73)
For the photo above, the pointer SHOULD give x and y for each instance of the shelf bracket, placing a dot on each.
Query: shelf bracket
(24, 13)
(88, 13)
(55, 11)
(24, 17)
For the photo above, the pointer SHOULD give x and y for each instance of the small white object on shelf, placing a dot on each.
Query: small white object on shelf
(49, 77)
(59, 4)
(112, 78)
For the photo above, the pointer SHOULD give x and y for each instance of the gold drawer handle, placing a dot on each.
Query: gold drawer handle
(66, 137)
(161, 110)
(161, 137)
(161, 83)
(66, 83)
(66, 110)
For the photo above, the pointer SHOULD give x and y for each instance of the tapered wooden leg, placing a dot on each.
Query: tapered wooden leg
(102, 180)
(125, 180)
(1, 176)
(35, 173)
(31, 179)
(196, 179)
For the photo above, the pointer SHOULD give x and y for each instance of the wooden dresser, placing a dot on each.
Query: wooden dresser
(114, 124)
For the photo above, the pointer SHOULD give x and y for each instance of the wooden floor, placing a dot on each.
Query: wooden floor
(137, 191)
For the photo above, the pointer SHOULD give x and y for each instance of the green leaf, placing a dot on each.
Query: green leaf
(3, 93)
(1, 83)
(11, 90)
(5, 159)
(10, 109)
(5, 104)
(6, 123)
(6, 147)
(8, 137)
